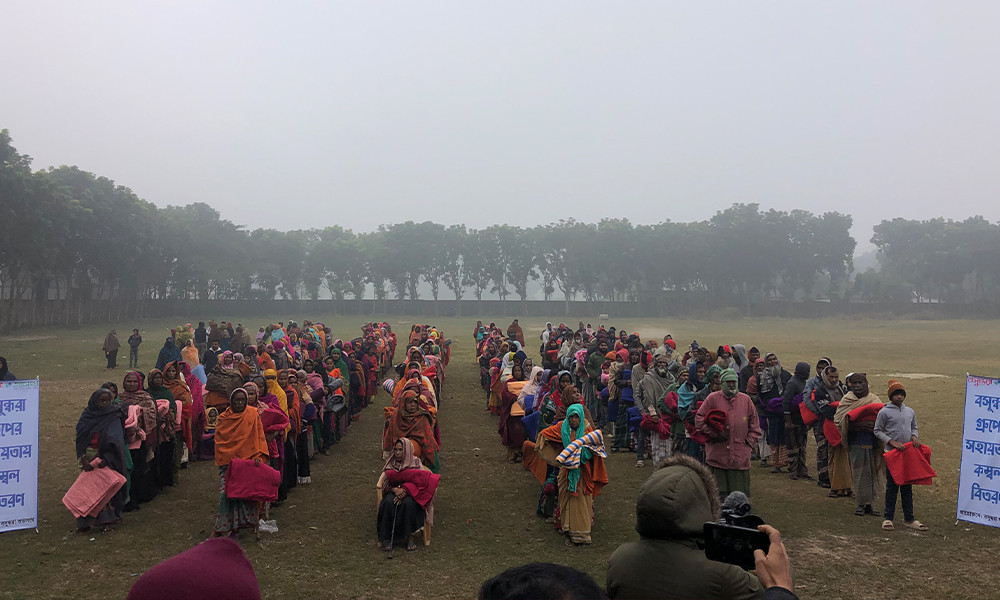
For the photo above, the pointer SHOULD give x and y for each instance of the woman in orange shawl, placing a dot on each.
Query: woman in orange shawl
(173, 381)
(238, 434)
(414, 419)
(578, 483)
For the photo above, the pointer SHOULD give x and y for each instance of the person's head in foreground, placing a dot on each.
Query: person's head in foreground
(541, 581)
(215, 569)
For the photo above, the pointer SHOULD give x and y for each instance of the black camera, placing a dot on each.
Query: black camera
(735, 536)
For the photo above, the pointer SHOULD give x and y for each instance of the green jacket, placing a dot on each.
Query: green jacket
(594, 362)
(666, 563)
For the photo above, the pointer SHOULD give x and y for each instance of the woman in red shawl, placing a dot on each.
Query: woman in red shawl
(406, 497)
(414, 419)
(141, 436)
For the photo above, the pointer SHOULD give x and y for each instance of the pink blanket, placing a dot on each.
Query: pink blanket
(248, 481)
(92, 490)
(418, 483)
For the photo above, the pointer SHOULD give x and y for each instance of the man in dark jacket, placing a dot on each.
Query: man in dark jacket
(201, 338)
(795, 429)
(674, 505)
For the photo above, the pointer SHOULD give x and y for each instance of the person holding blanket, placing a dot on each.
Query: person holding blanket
(238, 435)
(855, 420)
(406, 497)
(100, 443)
(895, 425)
(729, 420)
(578, 451)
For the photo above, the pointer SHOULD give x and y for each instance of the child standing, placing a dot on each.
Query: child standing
(895, 425)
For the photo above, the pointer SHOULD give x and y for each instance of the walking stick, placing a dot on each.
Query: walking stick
(392, 536)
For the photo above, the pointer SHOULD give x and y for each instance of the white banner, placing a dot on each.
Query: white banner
(18, 455)
(979, 477)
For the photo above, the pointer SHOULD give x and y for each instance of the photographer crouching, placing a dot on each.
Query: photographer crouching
(669, 561)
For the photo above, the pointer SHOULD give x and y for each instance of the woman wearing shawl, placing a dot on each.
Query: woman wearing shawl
(173, 381)
(307, 416)
(197, 421)
(763, 450)
(291, 463)
(826, 398)
(496, 384)
(511, 429)
(274, 421)
(189, 353)
(414, 419)
(100, 434)
(165, 466)
(168, 353)
(864, 449)
(581, 475)
(141, 437)
(222, 380)
(405, 497)
(238, 435)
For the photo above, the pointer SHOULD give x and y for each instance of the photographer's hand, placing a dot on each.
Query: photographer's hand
(775, 568)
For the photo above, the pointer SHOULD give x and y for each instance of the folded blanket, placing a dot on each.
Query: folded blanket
(92, 490)
(809, 418)
(418, 483)
(868, 412)
(716, 419)
(570, 456)
(910, 466)
(248, 481)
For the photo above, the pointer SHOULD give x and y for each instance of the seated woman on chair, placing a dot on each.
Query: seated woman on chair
(405, 498)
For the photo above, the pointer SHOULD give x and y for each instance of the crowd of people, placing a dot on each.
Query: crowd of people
(290, 394)
(726, 408)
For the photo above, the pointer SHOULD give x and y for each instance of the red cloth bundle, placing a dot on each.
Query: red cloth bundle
(910, 466)
(809, 418)
(868, 412)
(418, 483)
(717, 419)
(92, 490)
(255, 482)
(830, 431)
(661, 427)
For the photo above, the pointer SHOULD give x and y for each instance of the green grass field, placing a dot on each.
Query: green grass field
(485, 509)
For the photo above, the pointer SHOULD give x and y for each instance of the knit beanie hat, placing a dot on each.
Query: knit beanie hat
(895, 387)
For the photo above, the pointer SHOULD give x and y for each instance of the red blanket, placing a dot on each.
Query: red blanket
(868, 412)
(247, 481)
(418, 483)
(830, 430)
(910, 466)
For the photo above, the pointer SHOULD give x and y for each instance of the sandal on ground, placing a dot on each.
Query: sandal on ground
(763, 462)
(917, 525)
(639, 464)
(874, 512)
(887, 525)
(411, 546)
(823, 484)
(793, 476)
(859, 511)
(386, 547)
(833, 494)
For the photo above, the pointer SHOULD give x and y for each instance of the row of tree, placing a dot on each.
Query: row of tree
(79, 237)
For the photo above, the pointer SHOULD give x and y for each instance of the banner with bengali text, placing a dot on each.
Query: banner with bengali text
(18, 455)
(979, 476)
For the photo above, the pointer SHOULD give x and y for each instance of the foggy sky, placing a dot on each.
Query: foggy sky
(290, 115)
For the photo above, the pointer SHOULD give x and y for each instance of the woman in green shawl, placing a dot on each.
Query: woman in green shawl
(579, 480)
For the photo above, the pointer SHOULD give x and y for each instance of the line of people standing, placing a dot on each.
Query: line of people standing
(183, 412)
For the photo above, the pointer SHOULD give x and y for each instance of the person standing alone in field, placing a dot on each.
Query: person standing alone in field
(133, 349)
(111, 346)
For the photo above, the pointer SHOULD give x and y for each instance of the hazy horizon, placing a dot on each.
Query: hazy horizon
(520, 113)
